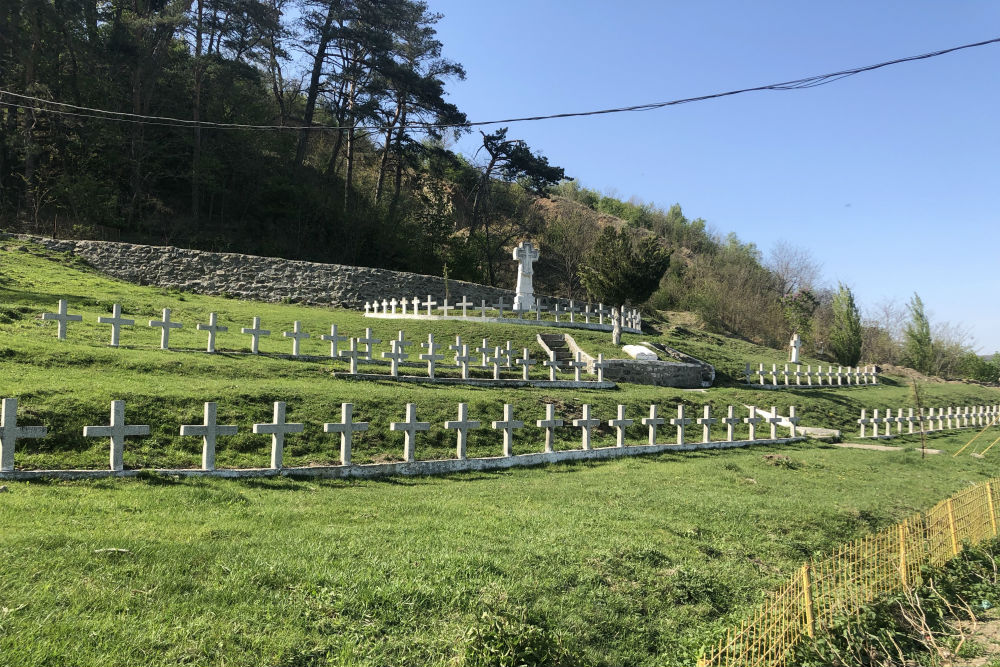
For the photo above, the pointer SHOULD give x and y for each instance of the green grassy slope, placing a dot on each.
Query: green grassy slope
(627, 562)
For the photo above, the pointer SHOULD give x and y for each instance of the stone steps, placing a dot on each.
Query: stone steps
(557, 344)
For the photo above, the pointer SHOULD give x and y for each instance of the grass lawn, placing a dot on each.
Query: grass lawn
(637, 561)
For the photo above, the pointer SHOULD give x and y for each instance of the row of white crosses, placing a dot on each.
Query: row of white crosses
(166, 325)
(361, 350)
(279, 428)
(934, 419)
(632, 318)
(793, 378)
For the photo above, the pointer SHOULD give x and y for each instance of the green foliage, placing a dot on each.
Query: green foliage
(799, 308)
(918, 347)
(971, 366)
(845, 332)
(621, 269)
(505, 636)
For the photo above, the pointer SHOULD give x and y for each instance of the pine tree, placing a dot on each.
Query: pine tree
(845, 334)
(918, 347)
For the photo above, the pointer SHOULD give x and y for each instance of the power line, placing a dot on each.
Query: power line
(797, 84)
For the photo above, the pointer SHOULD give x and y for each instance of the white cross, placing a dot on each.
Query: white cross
(752, 420)
(429, 304)
(463, 360)
(774, 420)
(394, 357)
(416, 304)
(255, 333)
(509, 424)
(496, 360)
(550, 423)
(410, 428)
(368, 308)
(464, 303)
(653, 421)
(63, 317)
(297, 335)
(445, 307)
(482, 309)
(899, 420)
(405, 304)
(385, 306)
(760, 374)
(208, 432)
(585, 423)
(117, 431)
(457, 349)
(484, 350)
(774, 374)
(785, 374)
(212, 328)
(793, 421)
(796, 345)
(601, 312)
(798, 374)
(526, 362)
(620, 423)
(887, 420)
(508, 355)
(519, 309)
(680, 422)
(499, 306)
(431, 356)
(706, 424)
(403, 343)
(278, 429)
(165, 325)
(572, 310)
(578, 366)
(556, 309)
(540, 308)
(730, 420)
(463, 425)
(346, 428)
(553, 365)
(369, 342)
(909, 421)
(876, 420)
(353, 354)
(10, 433)
(335, 340)
(599, 366)
(393, 302)
(117, 322)
(586, 313)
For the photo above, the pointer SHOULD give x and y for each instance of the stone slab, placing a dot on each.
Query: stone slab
(416, 468)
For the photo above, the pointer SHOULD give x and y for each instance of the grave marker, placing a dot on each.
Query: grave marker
(255, 333)
(213, 327)
(653, 421)
(335, 339)
(526, 255)
(297, 335)
(463, 425)
(63, 317)
(508, 425)
(208, 431)
(369, 342)
(730, 420)
(585, 423)
(278, 429)
(620, 423)
(553, 365)
(10, 433)
(464, 303)
(706, 424)
(352, 354)
(550, 424)
(431, 356)
(346, 428)
(117, 322)
(774, 420)
(752, 420)
(117, 432)
(409, 429)
(681, 422)
(165, 325)
(526, 362)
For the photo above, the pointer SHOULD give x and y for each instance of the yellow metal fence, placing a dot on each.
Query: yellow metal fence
(856, 574)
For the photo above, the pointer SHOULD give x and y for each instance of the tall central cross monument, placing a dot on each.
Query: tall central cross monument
(526, 255)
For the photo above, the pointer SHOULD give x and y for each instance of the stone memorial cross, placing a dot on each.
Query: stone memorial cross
(10, 433)
(117, 432)
(208, 431)
(526, 255)
(431, 356)
(165, 325)
(550, 424)
(117, 322)
(278, 429)
(213, 327)
(346, 428)
(653, 421)
(335, 339)
(681, 423)
(462, 425)
(585, 423)
(620, 423)
(255, 333)
(508, 425)
(410, 428)
(297, 335)
(63, 317)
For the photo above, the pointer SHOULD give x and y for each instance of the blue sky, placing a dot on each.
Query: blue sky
(889, 178)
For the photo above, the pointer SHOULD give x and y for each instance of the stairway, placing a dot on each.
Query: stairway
(555, 342)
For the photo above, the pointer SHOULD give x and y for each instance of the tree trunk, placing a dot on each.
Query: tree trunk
(196, 152)
(383, 164)
(317, 71)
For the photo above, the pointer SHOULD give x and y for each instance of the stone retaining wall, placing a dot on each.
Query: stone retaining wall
(659, 373)
(260, 278)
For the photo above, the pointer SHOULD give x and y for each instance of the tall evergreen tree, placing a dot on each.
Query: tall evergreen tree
(621, 269)
(845, 334)
(918, 346)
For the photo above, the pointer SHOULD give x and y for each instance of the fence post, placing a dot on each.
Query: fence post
(902, 553)
(993, 513)
(951, 527)
(807, 592)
